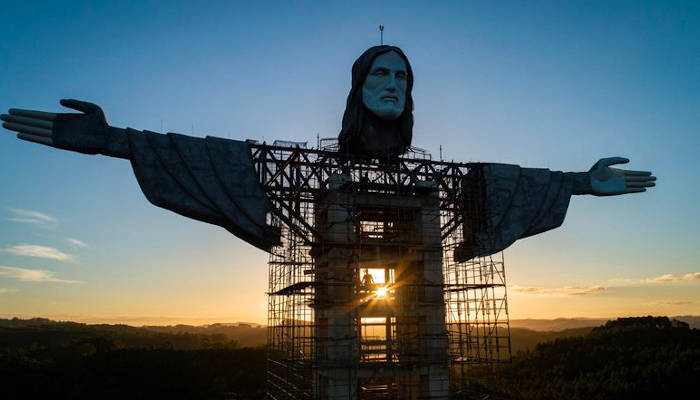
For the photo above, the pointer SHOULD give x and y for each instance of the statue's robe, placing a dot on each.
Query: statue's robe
(502, 203)
(208, 179)
(213, 180)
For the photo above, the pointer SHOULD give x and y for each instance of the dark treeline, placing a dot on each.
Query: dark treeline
(245, 335)
(629, 358)
(526, 339)
(78, 361)
(623, 359)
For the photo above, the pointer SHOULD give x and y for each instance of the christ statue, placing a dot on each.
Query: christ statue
(213, 180)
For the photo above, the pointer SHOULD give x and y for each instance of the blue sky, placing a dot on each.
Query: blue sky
(539, 84)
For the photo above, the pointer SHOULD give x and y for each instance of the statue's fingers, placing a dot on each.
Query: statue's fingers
(606, 162)
(27, 129)
(635, 173)
(635, 190)
(47, 116)
(39, 123)
(79, 105)
(640, 184)
(636, 178)
(36, 139)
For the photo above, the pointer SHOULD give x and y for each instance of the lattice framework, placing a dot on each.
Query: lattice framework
(474, 291)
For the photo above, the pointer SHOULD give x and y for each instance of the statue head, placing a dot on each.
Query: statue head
(378, 119)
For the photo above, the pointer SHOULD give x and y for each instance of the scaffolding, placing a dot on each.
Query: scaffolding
(365, 298)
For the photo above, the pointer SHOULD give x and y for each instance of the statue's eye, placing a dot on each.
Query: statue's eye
(401, 76)
(380, 72)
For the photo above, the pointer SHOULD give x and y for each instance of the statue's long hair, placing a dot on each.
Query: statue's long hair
(358, 120)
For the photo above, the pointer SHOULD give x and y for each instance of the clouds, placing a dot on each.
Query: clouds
(31, 275)
(31, 217)
(661, 279)
(611, 283)
(693, 276)
(560, 291)
(37, 219)
(34, 250)
(76, 243)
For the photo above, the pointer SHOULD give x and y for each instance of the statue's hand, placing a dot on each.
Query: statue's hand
(84, 132)
(607, 181)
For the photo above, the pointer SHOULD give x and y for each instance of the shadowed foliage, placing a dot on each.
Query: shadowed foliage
(629, 358)
(70, 360)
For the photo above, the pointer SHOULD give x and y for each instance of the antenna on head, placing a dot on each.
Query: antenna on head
(381, 34)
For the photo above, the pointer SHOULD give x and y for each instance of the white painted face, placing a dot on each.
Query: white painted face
(384, 90)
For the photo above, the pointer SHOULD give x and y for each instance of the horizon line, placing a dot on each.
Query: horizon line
(204, 321)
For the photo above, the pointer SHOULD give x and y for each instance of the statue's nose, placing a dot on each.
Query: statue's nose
(391, 84)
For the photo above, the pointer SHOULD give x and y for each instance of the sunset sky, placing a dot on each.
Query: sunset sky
(540, 85)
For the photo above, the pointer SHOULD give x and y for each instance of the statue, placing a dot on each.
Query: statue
(213, 180)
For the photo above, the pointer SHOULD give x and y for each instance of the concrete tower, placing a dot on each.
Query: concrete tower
(379, 310)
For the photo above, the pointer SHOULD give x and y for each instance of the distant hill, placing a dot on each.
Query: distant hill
(693, 321)
(523, 339)
(525, 333)
(560, 324)
(245, 335)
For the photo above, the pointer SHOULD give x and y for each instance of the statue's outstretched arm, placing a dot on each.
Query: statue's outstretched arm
(85, 132)
(504, 203)
(207, 179)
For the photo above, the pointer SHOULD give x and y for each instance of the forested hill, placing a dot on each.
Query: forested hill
(629, 358)
(244, 334)
(46, 359)
(43, 330)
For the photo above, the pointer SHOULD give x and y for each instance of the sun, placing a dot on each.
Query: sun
(381, 292)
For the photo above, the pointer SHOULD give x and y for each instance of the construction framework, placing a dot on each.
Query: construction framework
(365, 299)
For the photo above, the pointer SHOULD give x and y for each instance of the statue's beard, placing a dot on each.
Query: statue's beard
(381, 138)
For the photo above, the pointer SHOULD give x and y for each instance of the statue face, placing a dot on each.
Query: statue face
(384, 90)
